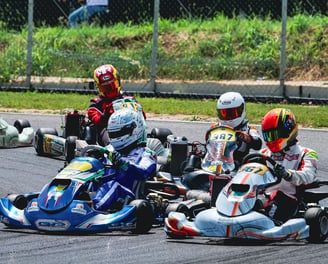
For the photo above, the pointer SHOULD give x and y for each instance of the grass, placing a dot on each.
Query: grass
(307, 115)
(213, 49)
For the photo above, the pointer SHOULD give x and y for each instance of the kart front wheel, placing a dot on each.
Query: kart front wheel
(144, 216)
(70, 146)
(317, 219)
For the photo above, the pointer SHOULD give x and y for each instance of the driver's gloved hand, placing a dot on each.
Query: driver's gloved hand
(117, 162)
(243, 137)
(280, 171)
(96, 153)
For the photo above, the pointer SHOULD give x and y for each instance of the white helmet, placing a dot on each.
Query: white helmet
(126, 127)
(231, 109)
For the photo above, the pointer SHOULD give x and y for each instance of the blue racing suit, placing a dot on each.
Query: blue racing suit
(139, 164)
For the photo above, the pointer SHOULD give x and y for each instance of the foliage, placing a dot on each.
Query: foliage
(212, 49)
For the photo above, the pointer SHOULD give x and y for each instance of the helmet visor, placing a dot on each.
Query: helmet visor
(230, 113)
(276, 145)
(108, 90)
(273, 134)
(126, 130)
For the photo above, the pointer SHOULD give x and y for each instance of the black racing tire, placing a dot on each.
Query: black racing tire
(18, 200)
(38, 138)
(70, 147)
(144, 216)
(317, 219)
(161, 134)
(20, 124)
(177, 207)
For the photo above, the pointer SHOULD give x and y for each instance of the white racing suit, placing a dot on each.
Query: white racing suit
(302, 163)
(140, 164)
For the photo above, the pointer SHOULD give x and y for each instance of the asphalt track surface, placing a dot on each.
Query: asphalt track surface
(22, 171)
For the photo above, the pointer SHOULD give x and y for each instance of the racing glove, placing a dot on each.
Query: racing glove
(280, 171)
(243, 137)
(116, 160)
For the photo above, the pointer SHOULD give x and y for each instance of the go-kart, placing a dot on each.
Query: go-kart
(79, 132)
(21, 134)
(237, 213)
(65, 205)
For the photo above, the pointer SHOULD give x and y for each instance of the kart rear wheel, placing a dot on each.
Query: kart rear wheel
(144, 215)
(70, 146)
(20, 124)
(161, 134)
(38, 138)
(317, 219)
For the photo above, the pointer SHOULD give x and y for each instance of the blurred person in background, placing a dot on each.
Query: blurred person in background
(88, 9)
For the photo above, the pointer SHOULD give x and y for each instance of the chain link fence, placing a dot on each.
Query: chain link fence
(166, 67)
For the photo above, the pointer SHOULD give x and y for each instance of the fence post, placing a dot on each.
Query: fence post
(29, 44)
(154, 47)
(283, 47)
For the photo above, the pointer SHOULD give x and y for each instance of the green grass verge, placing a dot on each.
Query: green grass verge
(307, 115)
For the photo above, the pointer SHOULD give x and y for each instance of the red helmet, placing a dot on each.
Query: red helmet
(279, 129)
(107, 80)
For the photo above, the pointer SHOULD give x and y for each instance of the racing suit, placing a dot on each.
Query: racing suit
(139, 164)
(301, 163)
(99, 111)
(243, 147)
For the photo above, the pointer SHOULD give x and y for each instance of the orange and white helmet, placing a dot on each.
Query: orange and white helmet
(107, 81)
(279, 129)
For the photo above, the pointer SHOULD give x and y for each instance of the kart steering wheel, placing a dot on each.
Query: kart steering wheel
(254, 157)
(258, 158)
(94, 151)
